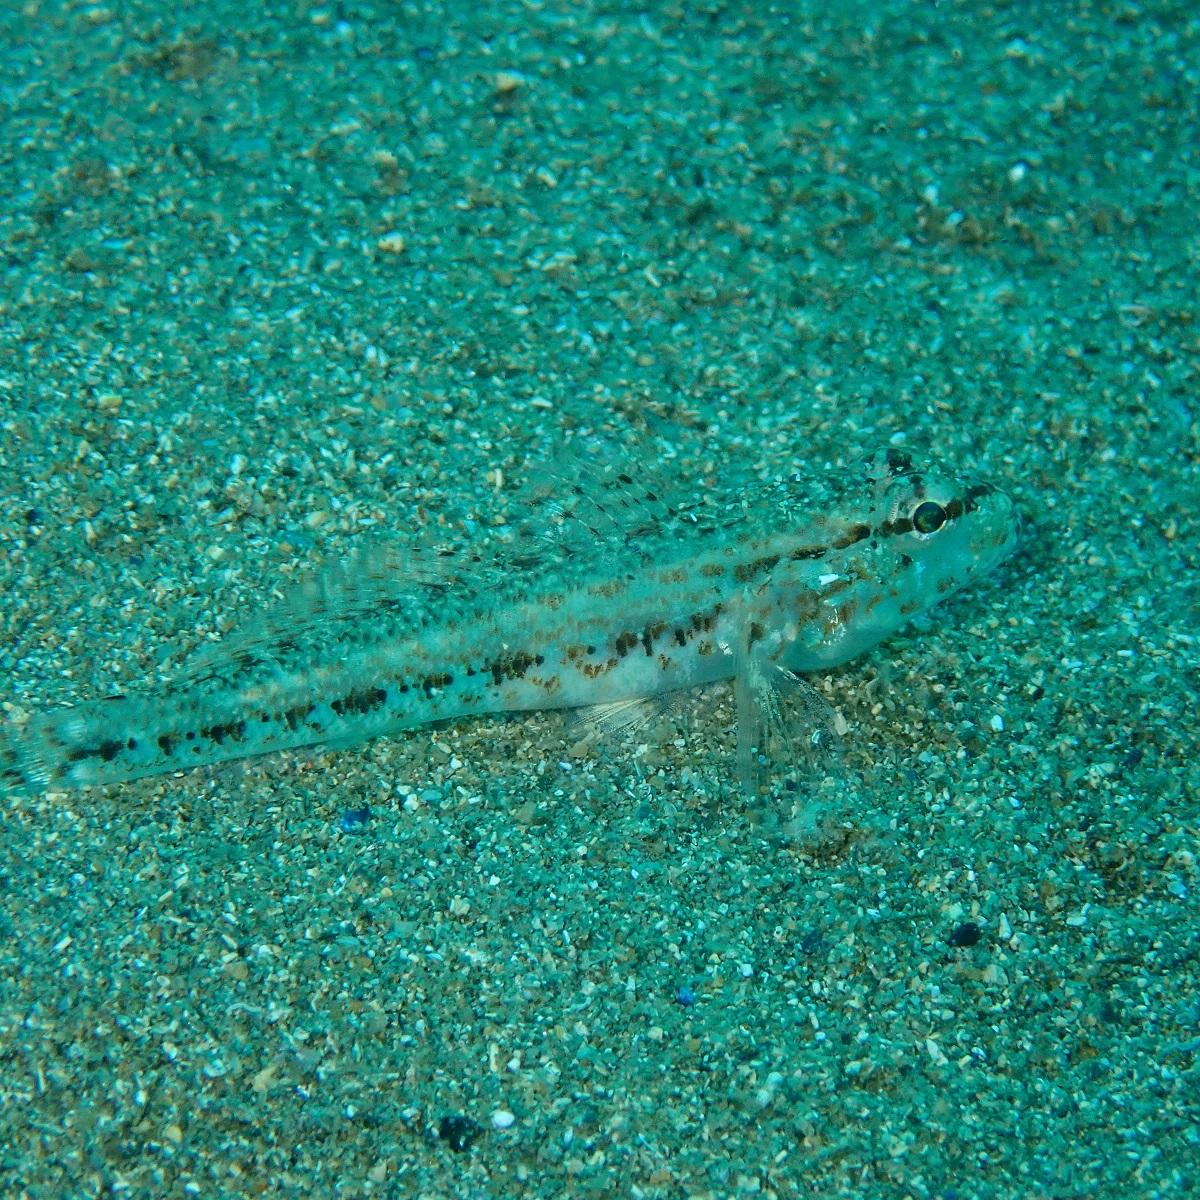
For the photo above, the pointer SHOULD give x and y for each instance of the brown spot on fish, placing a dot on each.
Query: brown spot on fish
(744, 572)
(434, 683)
(650, 633)
(359, 702)
(511, 666)
(609, 589)
(856, 533)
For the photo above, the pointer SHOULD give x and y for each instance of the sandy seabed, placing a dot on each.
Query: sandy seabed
(274, 282)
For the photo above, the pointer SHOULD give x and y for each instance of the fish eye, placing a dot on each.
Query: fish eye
(928, 517)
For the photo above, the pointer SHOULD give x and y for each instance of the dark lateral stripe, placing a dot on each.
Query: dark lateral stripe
(751, 570)
(856, 533)
(512, 666)
(892, 528)
(955, 508)
(360, 702)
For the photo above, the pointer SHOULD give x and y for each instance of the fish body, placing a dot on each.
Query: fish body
(627, 598)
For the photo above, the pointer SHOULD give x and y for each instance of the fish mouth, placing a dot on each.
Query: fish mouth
(1001, 533)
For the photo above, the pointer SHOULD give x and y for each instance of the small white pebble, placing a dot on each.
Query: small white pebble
(997, 723)
(502, 1119)
(507, 82)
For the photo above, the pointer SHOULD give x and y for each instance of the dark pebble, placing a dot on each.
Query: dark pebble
(458, 1132)
(966, 934)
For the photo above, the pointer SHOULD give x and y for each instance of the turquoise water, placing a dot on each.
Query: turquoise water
(279, 281)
